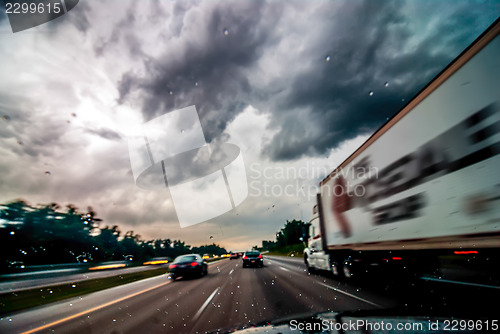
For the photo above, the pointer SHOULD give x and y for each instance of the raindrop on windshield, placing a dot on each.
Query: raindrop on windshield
(48, 172)
(211, 237)
(20, 142)
(386, 84)
(328, 58)
(196, 83)
(226, 32)
(12, 233)
(370, 93)
(73, 114)
(6, 118)
(171, 93)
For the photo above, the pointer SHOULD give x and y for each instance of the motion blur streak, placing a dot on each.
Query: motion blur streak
(156, 262)
(108, 266)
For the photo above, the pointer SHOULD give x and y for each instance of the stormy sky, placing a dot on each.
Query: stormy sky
(297, 85)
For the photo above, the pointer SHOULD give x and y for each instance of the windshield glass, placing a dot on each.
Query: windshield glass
(252, 253)
(187, 258)
(330, 137)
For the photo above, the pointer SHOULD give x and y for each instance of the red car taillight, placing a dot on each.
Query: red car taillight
(245, 257)
(260, 256)
(172, 266)
(194, 264)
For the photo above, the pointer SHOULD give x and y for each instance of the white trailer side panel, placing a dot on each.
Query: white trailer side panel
(433, 174)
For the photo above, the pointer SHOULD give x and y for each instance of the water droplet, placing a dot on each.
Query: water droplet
(211, 237)
(114, 320)
(370, 93)
(328, 58)
(6, 118)
(171, 93)
(20, 142)
(226, 32)
(386, 84)
(196, 83)
(12, 233)
(73, 286)
(48, 172)
(73, 114)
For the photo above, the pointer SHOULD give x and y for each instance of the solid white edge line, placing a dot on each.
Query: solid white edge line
(205, 304)
(458, 282)
(350, 295)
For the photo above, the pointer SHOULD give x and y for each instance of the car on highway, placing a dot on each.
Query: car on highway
(188, 266)
(234, 256)
(253, 259)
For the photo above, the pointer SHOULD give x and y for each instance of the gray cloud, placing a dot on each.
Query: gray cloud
(273, 57)
(369, 43)
(105, 133)
(209, 69)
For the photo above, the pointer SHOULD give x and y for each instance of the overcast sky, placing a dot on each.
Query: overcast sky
(297, 85)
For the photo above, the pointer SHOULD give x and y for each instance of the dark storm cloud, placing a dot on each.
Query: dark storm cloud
(79, 16)
(368, 53)
(208, 71)
(105, 133)
(369, 43)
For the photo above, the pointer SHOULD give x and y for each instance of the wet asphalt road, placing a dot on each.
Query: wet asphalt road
(229, 297)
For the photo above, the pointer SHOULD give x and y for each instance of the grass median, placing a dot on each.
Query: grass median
(20, 300)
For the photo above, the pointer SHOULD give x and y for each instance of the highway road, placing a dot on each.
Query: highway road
(228, 297)
(231, 297)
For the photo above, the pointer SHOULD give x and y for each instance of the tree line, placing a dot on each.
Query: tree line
(294, 232)
(51, 234)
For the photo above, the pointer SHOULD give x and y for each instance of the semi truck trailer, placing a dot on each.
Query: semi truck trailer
(422, 194)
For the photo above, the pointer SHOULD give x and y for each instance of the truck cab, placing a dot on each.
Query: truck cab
(315, 257)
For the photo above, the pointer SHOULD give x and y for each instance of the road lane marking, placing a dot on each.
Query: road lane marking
(231, 271)
(74, 316)
(283, 268)
(205, 304)
(350, 295)
(458, 282)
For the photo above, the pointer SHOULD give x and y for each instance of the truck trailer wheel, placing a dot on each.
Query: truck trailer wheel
(347, 270)
(335, 269)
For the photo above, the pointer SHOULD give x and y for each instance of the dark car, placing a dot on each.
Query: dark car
(188, 265)
(234, 256)
(253, 258)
